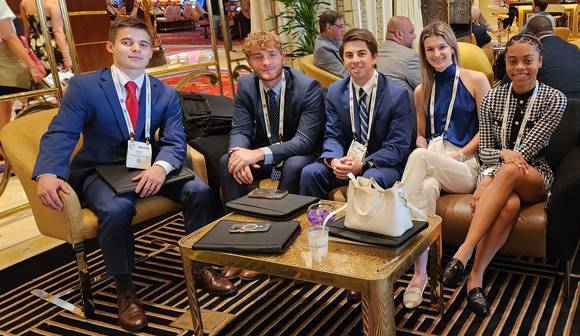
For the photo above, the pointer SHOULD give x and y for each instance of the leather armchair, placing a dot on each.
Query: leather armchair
(324, 77)
(473, 57)
(20, 141)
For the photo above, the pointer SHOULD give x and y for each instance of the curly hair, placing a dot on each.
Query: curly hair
(258, 41)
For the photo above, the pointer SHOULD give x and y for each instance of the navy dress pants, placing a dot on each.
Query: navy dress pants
(318, 179)
(289, 180)
(115, 213)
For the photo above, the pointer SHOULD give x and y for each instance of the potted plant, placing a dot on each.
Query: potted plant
(300, 19)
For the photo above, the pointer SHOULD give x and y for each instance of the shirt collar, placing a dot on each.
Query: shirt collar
(368, 86)
(123, 78)
(277, 88)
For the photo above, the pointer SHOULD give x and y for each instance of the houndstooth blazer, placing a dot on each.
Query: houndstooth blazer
(545, 117)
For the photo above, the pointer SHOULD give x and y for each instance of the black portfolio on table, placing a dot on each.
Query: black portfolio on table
(120, 178)
(275, 240)
(338, 229)
(277, 209)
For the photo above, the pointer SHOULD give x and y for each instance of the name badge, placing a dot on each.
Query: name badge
(138, 155)
(357, 151)
(437, 145)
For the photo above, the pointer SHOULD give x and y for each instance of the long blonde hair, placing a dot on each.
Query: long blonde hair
(441, 29)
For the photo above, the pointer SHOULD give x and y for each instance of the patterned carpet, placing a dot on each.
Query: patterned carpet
(526, 296)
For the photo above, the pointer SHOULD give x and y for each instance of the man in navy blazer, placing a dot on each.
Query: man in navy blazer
(385, 132)
(277, 126)
(256, 150)
(103, 106)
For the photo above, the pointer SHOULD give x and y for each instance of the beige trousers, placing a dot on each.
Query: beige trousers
(430, 172)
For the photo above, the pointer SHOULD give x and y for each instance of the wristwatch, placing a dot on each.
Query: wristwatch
(368, 165)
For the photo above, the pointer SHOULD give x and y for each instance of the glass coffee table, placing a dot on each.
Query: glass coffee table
(370, 270)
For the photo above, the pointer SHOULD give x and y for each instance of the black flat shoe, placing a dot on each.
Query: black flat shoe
(453, 273)
(477, 301)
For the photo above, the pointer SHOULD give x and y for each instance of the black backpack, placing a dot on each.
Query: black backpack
(205, 115)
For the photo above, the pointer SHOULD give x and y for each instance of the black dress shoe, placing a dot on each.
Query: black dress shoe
(477, 301)
(453, 273)
(352, 296)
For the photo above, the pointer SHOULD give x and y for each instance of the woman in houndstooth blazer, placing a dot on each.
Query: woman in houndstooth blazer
(516, 123)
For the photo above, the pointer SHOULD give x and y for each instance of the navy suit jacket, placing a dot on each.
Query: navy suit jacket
(91, 107)
(303, 117)
(560, 66)
(392, 127)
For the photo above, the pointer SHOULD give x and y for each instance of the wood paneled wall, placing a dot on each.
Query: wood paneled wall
(90, 26)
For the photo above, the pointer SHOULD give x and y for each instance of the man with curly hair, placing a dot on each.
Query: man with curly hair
(278, 122)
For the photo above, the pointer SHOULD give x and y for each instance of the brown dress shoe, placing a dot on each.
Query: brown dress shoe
(231, 272)
(131, 314)
(249, 275)
(353, 296)
(209, 279)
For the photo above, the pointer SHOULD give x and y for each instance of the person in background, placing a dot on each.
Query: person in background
(558, 58)
(539, 9)
(326, 56)
(512, 14)
(33, 32)
(446, 102)
(515, 125)
(17, 70)
(397, 58)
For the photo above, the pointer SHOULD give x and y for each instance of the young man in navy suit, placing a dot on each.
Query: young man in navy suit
(277, 125)
(104, 107)
(369, 123)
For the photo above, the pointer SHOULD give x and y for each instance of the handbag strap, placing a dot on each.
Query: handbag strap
(376, 203)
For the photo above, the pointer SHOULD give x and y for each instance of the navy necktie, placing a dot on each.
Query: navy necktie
(364, 116)
(274, 116)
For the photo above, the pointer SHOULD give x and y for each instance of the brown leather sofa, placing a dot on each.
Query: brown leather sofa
(20, 141)
(545, 230)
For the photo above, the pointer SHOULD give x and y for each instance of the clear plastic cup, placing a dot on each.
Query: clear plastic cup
(318, 242)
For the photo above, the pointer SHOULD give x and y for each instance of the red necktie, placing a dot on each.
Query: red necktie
(131, 103)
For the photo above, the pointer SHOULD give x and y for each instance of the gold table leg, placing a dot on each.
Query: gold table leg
(193, 304)
(434, 268)
(378, 308)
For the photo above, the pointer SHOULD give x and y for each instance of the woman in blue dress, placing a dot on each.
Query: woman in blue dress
(446, 103)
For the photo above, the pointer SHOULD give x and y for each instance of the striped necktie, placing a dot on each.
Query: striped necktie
(364, 115)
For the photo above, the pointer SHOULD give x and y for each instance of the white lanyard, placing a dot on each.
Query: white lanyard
(527, 114)
(449, 109)
(122, 100)
(281, 110)
(371, 110)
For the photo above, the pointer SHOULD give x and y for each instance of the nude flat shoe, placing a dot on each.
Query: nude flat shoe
(414, 296)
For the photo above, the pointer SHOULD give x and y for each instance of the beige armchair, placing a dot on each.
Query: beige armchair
(324, 77)
(20, 140)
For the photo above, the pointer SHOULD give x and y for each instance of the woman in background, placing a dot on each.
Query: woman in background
(29, 14)
(446, 103)
(17, 70)
(516, 123)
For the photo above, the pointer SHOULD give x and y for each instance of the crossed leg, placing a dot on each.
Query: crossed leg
(495, 216)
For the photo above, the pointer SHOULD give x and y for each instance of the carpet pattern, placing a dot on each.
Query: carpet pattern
(526, 296)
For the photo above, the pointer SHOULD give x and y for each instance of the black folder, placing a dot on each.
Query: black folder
(120, 178)
(275, 240)
(276, 209)
(338, 229)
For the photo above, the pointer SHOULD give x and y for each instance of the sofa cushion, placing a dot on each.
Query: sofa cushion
(528, 236)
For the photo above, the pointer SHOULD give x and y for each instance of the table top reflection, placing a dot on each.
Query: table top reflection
(349, 260)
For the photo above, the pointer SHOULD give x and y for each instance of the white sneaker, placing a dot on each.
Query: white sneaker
(414, 296)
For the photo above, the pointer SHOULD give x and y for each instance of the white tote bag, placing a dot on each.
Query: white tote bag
(374, 209)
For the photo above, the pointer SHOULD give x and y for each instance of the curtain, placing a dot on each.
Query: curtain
(412, 10)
